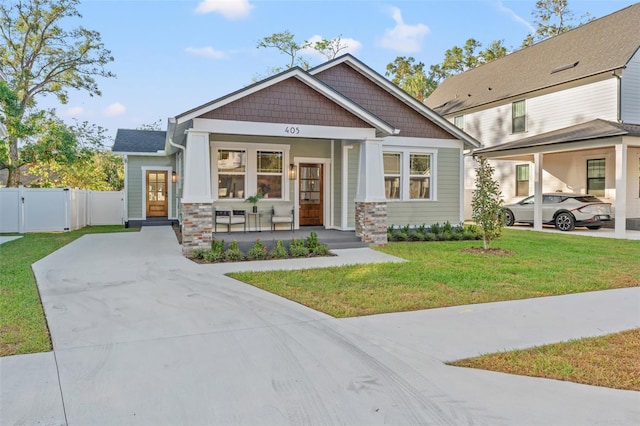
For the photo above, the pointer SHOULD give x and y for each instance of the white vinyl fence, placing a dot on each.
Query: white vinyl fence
(58, 209)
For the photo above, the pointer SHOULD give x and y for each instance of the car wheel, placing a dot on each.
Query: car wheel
(509, 218)
(565, 222)
(594, 227)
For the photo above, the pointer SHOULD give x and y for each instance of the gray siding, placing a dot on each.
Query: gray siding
(447, 206)
(352, 185)
(630, 91)
(135, 184)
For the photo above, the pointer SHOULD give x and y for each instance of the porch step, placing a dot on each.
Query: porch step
(161, 221)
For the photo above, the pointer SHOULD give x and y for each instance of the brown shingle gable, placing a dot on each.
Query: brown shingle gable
(349, 82)
(288, 102)
(597, 47)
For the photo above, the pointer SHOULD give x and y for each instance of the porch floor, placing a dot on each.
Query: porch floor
(333, 238)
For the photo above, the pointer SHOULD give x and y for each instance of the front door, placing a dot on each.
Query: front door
(311, 194)
(157, 205)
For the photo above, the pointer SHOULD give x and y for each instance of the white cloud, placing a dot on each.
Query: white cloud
(73, 112)
(230, 9)
(502, 8)
(352, 46)
(206, 52)
(115, 109)
(403, 38)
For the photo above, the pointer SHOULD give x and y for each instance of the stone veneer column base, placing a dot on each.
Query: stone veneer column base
(371, 222)
(197, 225)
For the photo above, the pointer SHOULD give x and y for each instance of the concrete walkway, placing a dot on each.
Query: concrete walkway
(144, 336)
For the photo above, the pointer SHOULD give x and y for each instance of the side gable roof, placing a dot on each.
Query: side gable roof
(139, 141)
(600, 46)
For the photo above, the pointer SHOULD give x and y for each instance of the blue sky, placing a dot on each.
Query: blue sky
(171, 56)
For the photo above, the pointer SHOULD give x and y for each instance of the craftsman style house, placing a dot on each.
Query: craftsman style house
(561, 115)
(338, 145)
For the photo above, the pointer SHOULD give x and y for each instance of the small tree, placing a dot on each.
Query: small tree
(486, 203)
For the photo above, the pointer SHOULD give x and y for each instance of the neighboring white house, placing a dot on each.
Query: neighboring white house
(564, 112)
(341, 145)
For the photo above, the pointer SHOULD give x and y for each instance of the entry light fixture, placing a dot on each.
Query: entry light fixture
(292, 171)
(174, 177)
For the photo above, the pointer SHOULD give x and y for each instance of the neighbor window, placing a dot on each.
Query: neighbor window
(522, 180)
(392, 162)
(419, 176)
(231, 173)
(595, 177)
(518, 117)
(269, 171)
(459, 122)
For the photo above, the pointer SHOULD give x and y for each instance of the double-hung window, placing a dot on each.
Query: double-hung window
(522, 180)
(596, 177)
(419, 176)
(231, 173)
(392, 175)
(518, 117)
(269, 171)
(408, 175)
(458, 121)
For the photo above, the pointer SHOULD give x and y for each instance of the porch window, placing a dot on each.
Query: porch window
(392, 168)
(518, 117)
(419, 176)
(459, 122)
(231, 173)
(595, 177)
(522, 180)
(270, 173)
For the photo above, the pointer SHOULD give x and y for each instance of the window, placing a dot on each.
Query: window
(408, 176)
(459, 122)
(595, 177)
(392, 169)
(269, 170)
(231, 173)
(522, 180)
(518, 117)
(419, 176)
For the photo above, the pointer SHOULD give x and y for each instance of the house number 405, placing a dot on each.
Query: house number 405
(292, 130)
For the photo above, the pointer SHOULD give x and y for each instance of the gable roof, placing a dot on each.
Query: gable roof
(139, 141)
(311, 78)
(591, 130)
(600, 46)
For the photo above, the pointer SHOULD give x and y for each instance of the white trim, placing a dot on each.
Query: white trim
(125, 162)
(141, 154)
(326, 162)
(462, 188)
(621, 190)
(169, 171)
(289, 130)
(345, 185)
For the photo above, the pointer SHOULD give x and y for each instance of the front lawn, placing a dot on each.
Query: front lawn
(440, 274)
(23, 328)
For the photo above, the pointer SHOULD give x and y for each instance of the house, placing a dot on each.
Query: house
(343, 146)
(561, 115)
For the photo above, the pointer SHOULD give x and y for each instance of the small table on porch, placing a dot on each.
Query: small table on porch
(257, 220)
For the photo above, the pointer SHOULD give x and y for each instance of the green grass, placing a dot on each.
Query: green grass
(23, 328)
(440, 274)
(610, 361)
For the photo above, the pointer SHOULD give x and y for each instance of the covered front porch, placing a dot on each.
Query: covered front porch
(599, 157)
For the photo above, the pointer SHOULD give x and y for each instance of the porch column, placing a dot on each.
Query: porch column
(197, 202)
(371, 204)
(621, 191)
(538, 166)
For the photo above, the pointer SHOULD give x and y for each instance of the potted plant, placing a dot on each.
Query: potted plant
(253, 199)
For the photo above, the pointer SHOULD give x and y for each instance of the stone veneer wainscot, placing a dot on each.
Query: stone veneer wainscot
(197, 225)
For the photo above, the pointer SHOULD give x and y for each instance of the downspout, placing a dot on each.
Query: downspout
(170, 132)
(619, 78)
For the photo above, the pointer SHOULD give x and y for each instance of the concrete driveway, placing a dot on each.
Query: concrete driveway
(144, 336)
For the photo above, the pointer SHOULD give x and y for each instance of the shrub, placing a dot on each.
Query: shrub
(217, 246)
(436, 229)
(278, 252)
(430, 236)
(400, 235)
(198, 253)
(233, 252)
(390, 232)
(213, 256)
(257, 252)
(416, 235)
(297, 248)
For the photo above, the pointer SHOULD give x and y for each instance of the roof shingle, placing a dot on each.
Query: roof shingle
(143, 141)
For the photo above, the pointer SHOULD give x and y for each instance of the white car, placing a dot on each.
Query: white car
(565, 211)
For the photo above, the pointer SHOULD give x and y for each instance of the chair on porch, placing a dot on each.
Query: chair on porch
(225, 215)
(281, 214)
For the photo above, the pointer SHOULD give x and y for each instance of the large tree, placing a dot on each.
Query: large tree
(39, 56)
(551, 18)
